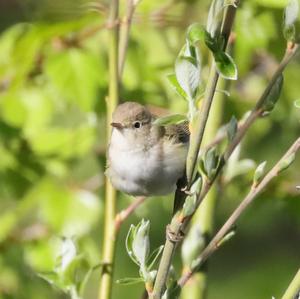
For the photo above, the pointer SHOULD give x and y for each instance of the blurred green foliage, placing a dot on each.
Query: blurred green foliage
(53, 83)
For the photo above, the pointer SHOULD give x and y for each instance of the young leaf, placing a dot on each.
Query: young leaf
(187, 70)
(291, 15)
(196, 187)
(195, 33)
(226, 238)
(259, 173)
(210, 163)
(214, 17)
(273, 95)
(193, 243)
(285, 164)
(129, 280)
(128, 243)
(141, 242)
(189, 206)
(173, 119)
(226, 66)
(232, 128)
(297, 103)
(176, 86)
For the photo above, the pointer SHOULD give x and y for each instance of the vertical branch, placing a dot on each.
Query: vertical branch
(196, 140)
(204, 217)
(109, 238)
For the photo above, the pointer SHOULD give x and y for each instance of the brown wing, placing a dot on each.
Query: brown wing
(180, 133)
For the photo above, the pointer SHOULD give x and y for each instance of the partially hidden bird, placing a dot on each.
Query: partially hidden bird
(145, 159)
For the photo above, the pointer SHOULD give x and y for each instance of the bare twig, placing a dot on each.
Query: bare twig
(253, 193)
(124, 33)
(124, 214)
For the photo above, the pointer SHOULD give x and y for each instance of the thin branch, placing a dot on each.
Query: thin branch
(253, 193)
(124, 34)
(210, 90)
(196, 140)
(179, 225)
(124, 214)
(109, 239)
(294, 288)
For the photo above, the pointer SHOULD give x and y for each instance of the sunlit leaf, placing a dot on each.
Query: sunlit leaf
(226, 66)
(297, 103)
(195, 33)
(175, 85)
(188, 69)
(76, 75)
(291, 14)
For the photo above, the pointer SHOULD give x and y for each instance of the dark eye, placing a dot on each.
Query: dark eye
(137, 124)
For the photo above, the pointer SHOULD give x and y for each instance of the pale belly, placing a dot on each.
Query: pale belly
(147, 172)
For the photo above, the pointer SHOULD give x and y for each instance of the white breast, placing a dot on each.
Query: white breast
(138, 170)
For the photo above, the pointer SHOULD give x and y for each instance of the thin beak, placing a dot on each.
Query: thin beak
(117, 125)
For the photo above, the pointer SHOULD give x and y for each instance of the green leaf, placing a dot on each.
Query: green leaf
(129, 242)
(286, 163)
(210, 163)
(273, 94)
(214, 18)
(226, 66)
(195, 33)
(141, 242)
(297, 103)
(192, 245)
(175, 85)
(196, 186)
(259, 173)
(226, 238)
(66, 211)
(189, 205)
(130, 280)
(187, 70)
(291, 15)
(173, 119)
(76, 76)
(232, 128)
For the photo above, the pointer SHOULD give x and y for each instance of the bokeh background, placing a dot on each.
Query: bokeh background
(53, 83)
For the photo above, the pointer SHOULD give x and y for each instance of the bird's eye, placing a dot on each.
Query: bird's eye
(137, 124)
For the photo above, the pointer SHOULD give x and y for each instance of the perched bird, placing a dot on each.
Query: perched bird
(145, 159)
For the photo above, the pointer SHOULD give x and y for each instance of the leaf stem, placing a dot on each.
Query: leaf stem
(253, 193)
(109, 238)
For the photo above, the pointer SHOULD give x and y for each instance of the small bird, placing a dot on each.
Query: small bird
(145, 159)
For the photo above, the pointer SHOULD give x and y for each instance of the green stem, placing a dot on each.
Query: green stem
(197, 137)
(109, 238)
(205, 215)
(294, 287)
(196, 140)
